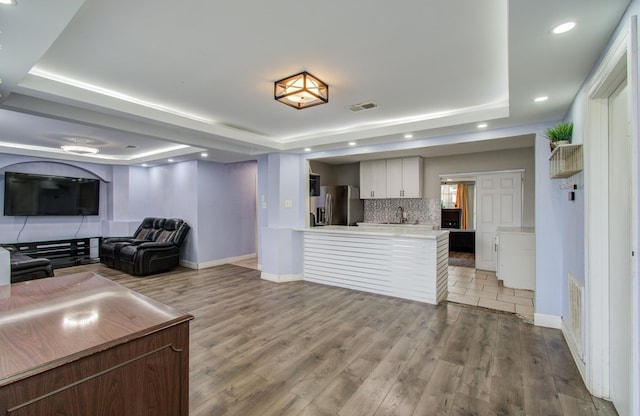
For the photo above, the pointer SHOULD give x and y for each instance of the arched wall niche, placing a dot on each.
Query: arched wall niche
(54, 168)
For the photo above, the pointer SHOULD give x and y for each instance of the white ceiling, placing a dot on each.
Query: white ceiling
(178, 79)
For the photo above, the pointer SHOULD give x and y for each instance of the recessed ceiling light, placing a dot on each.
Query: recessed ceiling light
(482, 125)
(541, 99)
(8, 2)
(170, 160)
(204, 154)
(352, 143)
(307, 149)
(563, 28)
(144, 165)
(408, 136)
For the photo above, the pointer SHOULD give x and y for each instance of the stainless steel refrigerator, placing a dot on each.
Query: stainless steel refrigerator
(337, 205)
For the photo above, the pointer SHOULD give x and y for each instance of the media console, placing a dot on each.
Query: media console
(62, 253)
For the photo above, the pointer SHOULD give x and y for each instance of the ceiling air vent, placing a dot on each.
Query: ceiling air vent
(364, 106)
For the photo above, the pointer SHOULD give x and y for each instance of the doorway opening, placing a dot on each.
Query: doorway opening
(458, 215)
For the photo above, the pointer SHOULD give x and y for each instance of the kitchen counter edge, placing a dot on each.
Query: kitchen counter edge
(343, 229)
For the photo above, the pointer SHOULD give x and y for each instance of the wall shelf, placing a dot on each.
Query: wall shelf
(565, 161)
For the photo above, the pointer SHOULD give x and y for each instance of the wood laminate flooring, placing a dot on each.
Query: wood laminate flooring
(299, 348)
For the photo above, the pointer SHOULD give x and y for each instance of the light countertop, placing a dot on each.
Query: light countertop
(525, 230)
(408, 231)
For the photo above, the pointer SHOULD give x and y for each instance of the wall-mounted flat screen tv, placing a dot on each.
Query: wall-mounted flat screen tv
(27, 194)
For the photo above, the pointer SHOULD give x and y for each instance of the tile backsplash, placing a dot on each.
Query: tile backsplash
(422, 210)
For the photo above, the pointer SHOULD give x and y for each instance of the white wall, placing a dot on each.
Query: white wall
(486, 162)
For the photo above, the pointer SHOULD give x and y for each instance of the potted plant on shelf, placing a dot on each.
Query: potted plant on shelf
(560, 134)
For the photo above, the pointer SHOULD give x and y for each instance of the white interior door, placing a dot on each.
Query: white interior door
(620, 330)
(499, 204)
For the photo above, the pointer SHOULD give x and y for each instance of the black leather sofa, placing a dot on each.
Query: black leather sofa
(25, 268)
(110, 247)
(154, 247)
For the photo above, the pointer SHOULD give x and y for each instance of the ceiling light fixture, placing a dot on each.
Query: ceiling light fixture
(408, 136)
(307, 149)
(8, 2)
(563, 28)
(79, 150)
(204, 154)
(352, 143)
(541, 99)
(300, 91)
(482, 125)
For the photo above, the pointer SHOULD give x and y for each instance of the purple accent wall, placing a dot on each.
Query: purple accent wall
(21, 229)
(549, 239)
(226, 208)
(217, 200)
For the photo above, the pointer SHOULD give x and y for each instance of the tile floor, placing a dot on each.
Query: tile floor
(469, 286)
(481, 288)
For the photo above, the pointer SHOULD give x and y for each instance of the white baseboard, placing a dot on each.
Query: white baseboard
(282, 278)
(548, 321)
(189, 264)
(577, 358)
(213, 263)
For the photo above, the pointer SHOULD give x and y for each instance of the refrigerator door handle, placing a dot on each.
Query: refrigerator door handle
(328, 206)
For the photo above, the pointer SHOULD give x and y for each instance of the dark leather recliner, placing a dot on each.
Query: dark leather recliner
(110, 247)
(24, 268)
(157, 254)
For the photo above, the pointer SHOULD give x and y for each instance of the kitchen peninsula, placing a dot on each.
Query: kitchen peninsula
(406, 261)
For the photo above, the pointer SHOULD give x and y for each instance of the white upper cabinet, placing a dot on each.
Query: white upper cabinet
(404, 177)
(391, 178)
(394, 178)
(373, 179)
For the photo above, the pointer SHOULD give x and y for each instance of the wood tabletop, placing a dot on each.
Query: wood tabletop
(49, 322)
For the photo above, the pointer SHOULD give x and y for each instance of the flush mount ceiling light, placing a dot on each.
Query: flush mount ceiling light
(8, 2)
(563, 28)
(300, 91)
(79, 150)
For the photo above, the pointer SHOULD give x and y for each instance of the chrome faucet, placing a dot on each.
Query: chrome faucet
(400, 215)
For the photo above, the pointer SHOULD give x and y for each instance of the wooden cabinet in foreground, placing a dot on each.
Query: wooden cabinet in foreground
(83, 345)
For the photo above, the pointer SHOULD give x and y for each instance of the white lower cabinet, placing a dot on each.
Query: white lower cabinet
(516, 257)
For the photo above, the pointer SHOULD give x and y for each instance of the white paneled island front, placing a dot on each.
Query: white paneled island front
(405, 262)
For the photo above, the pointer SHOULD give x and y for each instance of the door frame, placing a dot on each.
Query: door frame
(620, 61)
